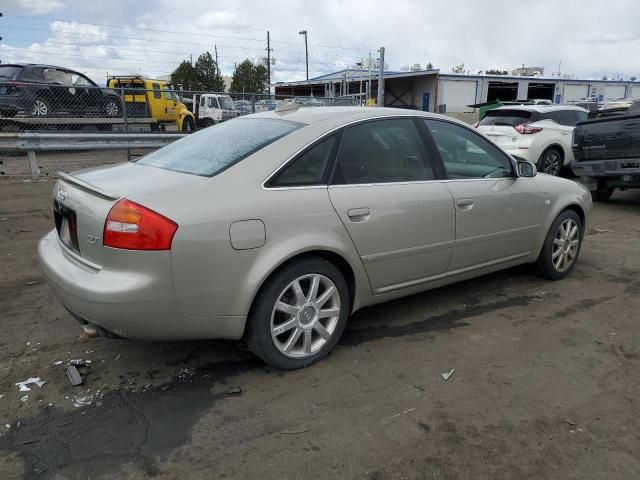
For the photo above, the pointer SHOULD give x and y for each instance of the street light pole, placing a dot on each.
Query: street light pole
(306, 50)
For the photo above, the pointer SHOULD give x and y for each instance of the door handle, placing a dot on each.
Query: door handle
(465, 203)
(359, 214)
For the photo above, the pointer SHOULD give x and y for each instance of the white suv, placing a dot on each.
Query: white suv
(540, 134)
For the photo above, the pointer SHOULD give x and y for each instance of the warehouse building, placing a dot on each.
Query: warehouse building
(433, 91)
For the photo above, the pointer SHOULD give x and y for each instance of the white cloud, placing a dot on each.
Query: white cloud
(33, 6)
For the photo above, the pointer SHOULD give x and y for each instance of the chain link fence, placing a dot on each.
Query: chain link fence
(70, 104)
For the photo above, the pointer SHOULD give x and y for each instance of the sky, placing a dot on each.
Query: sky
(586, 39)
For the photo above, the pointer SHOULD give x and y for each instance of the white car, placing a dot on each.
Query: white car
(540, 134)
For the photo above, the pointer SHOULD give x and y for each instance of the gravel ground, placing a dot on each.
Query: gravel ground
(546, 381)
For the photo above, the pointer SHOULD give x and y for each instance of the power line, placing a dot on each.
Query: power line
(182, 33)
(318, 54)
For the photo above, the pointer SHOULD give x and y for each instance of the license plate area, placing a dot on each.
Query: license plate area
(66, 226)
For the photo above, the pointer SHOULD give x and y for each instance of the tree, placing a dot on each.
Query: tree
(633, 79)
(458, 68)
(496, 71)
(185, 75)
(429, 66)
(249, 78)
(208, 74)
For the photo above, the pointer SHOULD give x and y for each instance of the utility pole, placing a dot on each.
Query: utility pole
(369, 85)
(268, 62)
(215, 49)
(191, 59)
(380, 102)
(306, 50)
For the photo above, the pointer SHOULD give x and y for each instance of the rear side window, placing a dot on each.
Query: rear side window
(309, 168)
(507, 118)
(10, 72)
(156, 90)
(382, 151)
(214, 149)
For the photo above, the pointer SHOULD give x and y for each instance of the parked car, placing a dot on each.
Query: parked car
(277, 226)
(266, 105)
(156, 99)
(539, 133)
(243, 107)
(44, 91)
(607, 151)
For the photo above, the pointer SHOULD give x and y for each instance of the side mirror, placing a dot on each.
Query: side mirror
(526, 169)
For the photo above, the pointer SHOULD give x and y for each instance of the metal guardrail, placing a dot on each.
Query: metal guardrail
(47, 142)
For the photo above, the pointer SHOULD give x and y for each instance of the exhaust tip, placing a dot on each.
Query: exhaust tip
(90, 330)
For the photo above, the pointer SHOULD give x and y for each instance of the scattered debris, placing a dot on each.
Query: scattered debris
(7, 425)
(593, 231)
(28, 343)
(569, 422)
(74, 376)
(3, 219)
(78, 362)
(24, 386)
(294, 432)
(25, 398)
(118, 356)
(447, 375)
(58, 362)
(86, 400)
(234, 391)
(1, 396)
(33, 282)
(17, 230)
(33, 440)
(419, 388)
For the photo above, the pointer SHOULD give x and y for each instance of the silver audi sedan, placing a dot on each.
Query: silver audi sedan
(276, 227)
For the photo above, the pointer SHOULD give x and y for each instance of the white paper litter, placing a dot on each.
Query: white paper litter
(24, 386)
(447, 375)
(58, 362)
(25, 398)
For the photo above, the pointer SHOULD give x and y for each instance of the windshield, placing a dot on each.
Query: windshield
(507, 118)
(9, 71)
(214, 149)
(226, 103)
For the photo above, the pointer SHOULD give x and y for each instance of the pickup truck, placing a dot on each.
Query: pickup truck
(606, 149)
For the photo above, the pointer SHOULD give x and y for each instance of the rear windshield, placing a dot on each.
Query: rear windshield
(507, 118)
(216, 148)
(9, 71)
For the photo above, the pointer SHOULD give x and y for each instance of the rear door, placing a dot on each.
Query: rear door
(498, 215)
(387, 194)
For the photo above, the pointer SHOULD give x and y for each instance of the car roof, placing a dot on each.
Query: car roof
(346, 114)
(541, 108)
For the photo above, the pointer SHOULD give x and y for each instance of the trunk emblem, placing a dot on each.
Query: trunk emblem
(62, 193)
(91, 239)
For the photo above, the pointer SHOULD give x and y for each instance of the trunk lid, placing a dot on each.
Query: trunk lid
(501, 135)
(82, 200)
(500, 124)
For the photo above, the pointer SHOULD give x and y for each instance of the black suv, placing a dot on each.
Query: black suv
(46, 91)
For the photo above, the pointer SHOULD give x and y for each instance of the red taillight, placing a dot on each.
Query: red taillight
(525, 129)
(133, 227)
(476, 125)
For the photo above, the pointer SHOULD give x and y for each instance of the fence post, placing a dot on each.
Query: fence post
(125, 119)
(33, 166)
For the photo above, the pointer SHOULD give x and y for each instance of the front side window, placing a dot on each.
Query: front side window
(214, 149)
(226, 103)
(465, 154)
(382, 151)
(309, 168)
(167, 93)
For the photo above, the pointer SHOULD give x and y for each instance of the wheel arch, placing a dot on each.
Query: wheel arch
(553, 146)
(333, 257)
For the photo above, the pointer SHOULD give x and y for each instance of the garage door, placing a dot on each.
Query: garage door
(457, 94)
(574, 91)
(611, 92)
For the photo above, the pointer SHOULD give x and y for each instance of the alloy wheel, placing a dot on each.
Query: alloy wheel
(112, 109)
(565, 245)
(305, 316)
(551, 163)
(39, 108)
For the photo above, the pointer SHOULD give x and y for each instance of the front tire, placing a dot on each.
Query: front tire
(561, 247)
(603, 193)
(112, 108)
(187, 125)
(40, 108)
(299, 314)
(550, 162)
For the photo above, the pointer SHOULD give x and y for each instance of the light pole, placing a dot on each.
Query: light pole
(306, 50)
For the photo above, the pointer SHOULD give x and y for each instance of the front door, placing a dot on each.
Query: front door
(399, 217)
(498, 215)
(426, 101)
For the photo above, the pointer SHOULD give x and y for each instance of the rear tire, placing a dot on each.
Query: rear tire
(603, 193)
(41, 107)
(561, 247)
(292, 328)
(550, 162)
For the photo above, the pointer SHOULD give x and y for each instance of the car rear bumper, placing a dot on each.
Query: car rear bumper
(596, 174)
(129, 303)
